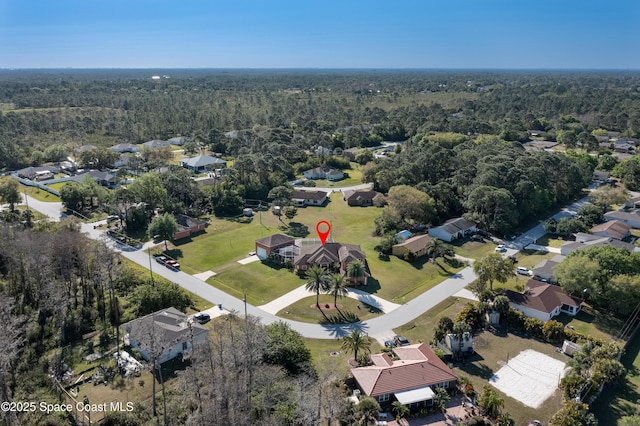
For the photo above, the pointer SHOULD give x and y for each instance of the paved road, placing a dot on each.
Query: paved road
(379, 327)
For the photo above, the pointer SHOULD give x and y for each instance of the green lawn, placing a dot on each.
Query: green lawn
(349, 310)
(527, 259)
(39, 194)
(549, 240)
(57, 186)
(472, 249)
(593, 322)
(329, 359)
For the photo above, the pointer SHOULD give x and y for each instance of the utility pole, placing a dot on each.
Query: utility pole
(244, 299)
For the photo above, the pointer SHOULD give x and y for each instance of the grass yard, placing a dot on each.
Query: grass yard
(548, 240)
(593, 322)
(527, 259)
(472, 249)
(57, 186)
(228, 240)
(349, 310)
(39, 194)
(329, 359)
(492, 350)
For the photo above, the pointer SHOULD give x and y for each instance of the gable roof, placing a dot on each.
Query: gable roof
(275, 240)
(623, 216)
(456, 225)
(614, 228)
(417, 367)
(589, 240)
(415, 244)
(308, 195)
(542, 297)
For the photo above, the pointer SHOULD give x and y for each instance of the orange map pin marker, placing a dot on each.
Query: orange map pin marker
(323, 234)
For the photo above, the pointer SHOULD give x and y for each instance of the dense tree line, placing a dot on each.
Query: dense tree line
(340, 109)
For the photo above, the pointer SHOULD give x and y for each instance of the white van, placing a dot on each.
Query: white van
(523, 271)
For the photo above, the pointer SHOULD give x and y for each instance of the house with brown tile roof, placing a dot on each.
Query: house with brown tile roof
(267, 245)
(330, 256)
(612, 229)
(409, 379)
(415, 245)
(543, 301)
(359, 198)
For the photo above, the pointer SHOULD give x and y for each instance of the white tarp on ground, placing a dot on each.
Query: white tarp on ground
(127, 363)
(414, 395)
(531, 377)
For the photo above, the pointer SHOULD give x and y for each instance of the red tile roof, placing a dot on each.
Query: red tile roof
(417, 366)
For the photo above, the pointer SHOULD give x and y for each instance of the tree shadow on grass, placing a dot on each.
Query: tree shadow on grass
(340, 318)
(419, 262)
(373, 285)
(476, 369)
(174, 253)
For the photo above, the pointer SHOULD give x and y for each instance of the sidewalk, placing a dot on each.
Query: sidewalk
(301, 292)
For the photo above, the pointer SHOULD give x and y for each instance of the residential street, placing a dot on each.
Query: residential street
(380, 327)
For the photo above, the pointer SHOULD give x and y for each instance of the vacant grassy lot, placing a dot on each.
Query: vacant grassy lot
(349, 310)
(39, 194)
(228, 240)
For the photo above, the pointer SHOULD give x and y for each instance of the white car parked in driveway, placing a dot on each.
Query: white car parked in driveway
(501, 248)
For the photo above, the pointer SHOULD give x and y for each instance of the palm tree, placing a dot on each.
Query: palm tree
(317, 281)
(399, 409)
(436, 248)
(440, 398)
(337, 287)
(491, 402)
(493, 267)
(356, 342)
(355, 271)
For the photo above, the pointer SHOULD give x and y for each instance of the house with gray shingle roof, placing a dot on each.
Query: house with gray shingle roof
(203, 162)
(409, 379)
(155, 144)
(169, 328)
(453, 229)
(125, 147)
(630, 218)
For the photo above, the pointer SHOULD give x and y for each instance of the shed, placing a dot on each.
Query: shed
(570, 348)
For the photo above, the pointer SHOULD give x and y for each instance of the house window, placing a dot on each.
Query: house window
(383, 398)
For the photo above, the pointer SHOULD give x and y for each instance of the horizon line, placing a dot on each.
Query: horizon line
(320, 68)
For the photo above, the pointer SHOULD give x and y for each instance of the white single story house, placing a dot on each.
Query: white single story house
(155, 144)
(543, 301)
(308, 198)
(125, 147)
(324, 172)
(453, 229)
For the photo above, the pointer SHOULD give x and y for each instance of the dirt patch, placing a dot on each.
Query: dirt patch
(327, 306)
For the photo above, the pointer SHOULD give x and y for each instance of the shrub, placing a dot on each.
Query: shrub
(553, 331)
(533, 326)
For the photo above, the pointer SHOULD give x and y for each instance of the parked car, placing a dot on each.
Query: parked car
(500, 248)
(202, 317)
(523, 271)
(401, 341)
(161, 259)
(483, 233)
(476, 237)
(390, 344)
(172, 263)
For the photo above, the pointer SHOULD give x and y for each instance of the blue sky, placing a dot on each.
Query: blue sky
(508, 34)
